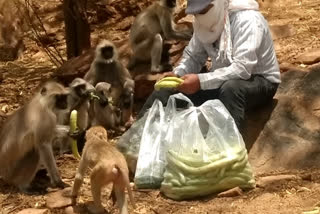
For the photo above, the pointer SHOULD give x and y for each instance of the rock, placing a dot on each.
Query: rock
(75, 210)
(285, 66)
(59, 199)
(231, 192)
(306, 177)
(286, 134)
(75, 67)
(269, 180)
(33, 211)
(281, 31)
(310, 57)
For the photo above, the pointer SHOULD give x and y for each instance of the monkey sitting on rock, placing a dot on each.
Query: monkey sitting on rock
(102, 111)
(150, 29)
(79, 99)
(106, 67)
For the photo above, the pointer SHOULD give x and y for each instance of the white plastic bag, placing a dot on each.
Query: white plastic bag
(144, 144)
(206, 153)
(194, 141)
(153, 146)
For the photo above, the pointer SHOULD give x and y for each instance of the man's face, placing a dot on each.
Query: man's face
(209, 22)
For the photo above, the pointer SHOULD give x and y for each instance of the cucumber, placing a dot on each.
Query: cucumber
(73, 127)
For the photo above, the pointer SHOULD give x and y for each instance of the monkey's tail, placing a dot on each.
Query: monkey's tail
(125, 178)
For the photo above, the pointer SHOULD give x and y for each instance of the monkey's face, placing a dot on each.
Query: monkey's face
(107, 52)
(103, 99)
(81, 88)
(171, 3)
(103, 91)
(61, 101)
(54, 95)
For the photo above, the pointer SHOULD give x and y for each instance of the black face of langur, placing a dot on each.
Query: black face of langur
(62, 101)
(171, 3)
(58, 100)
(81, 87)
(107, 52)
(103, 100)
(103, 91)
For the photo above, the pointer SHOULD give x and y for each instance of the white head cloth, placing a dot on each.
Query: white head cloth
(225, 44)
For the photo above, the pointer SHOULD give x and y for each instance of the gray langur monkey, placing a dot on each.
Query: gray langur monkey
(27, 135)
(148, 32)
(108, 165)
(106, 67)
(127, 103)
(78, 99)
(102, 111)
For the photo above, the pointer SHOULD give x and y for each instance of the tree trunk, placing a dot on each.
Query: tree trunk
(76, 27)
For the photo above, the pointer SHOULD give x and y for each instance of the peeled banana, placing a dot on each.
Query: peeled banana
(168, 82)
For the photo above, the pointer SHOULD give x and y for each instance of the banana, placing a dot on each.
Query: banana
(168, 82)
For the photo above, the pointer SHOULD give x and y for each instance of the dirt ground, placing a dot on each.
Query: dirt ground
(20, 78)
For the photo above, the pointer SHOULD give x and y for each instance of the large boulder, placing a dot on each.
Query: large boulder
(286, 134)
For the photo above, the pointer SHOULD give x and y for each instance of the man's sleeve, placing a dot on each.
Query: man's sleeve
(246, 42)
(193, 59)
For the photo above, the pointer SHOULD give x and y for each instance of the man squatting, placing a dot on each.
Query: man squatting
(244, 74)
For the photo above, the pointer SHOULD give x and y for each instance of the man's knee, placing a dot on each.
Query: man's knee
(232, 95)
(231, 89)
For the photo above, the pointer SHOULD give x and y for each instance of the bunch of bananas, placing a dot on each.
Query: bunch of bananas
(168, 82)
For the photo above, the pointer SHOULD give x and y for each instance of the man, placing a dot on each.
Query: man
(244, 74)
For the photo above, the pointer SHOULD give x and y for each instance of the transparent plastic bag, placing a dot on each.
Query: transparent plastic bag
(144, 143)
(129, 143)
(153, 146)
(205, 153)
(185, 150)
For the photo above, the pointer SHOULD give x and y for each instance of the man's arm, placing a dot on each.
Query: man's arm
(193, 59)
(247, 37)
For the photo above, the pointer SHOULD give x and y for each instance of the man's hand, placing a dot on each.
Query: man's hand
(169, 74)
(190, 85)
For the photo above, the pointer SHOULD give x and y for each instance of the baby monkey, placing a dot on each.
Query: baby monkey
(108, 165)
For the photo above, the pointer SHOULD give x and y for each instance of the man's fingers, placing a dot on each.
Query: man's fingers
(169, 74)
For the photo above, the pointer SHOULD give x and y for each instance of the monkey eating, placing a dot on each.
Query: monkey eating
(108, 165)
(106, 67)
(148, 32)
(27, 135)
(102, 111)
(80, 94)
